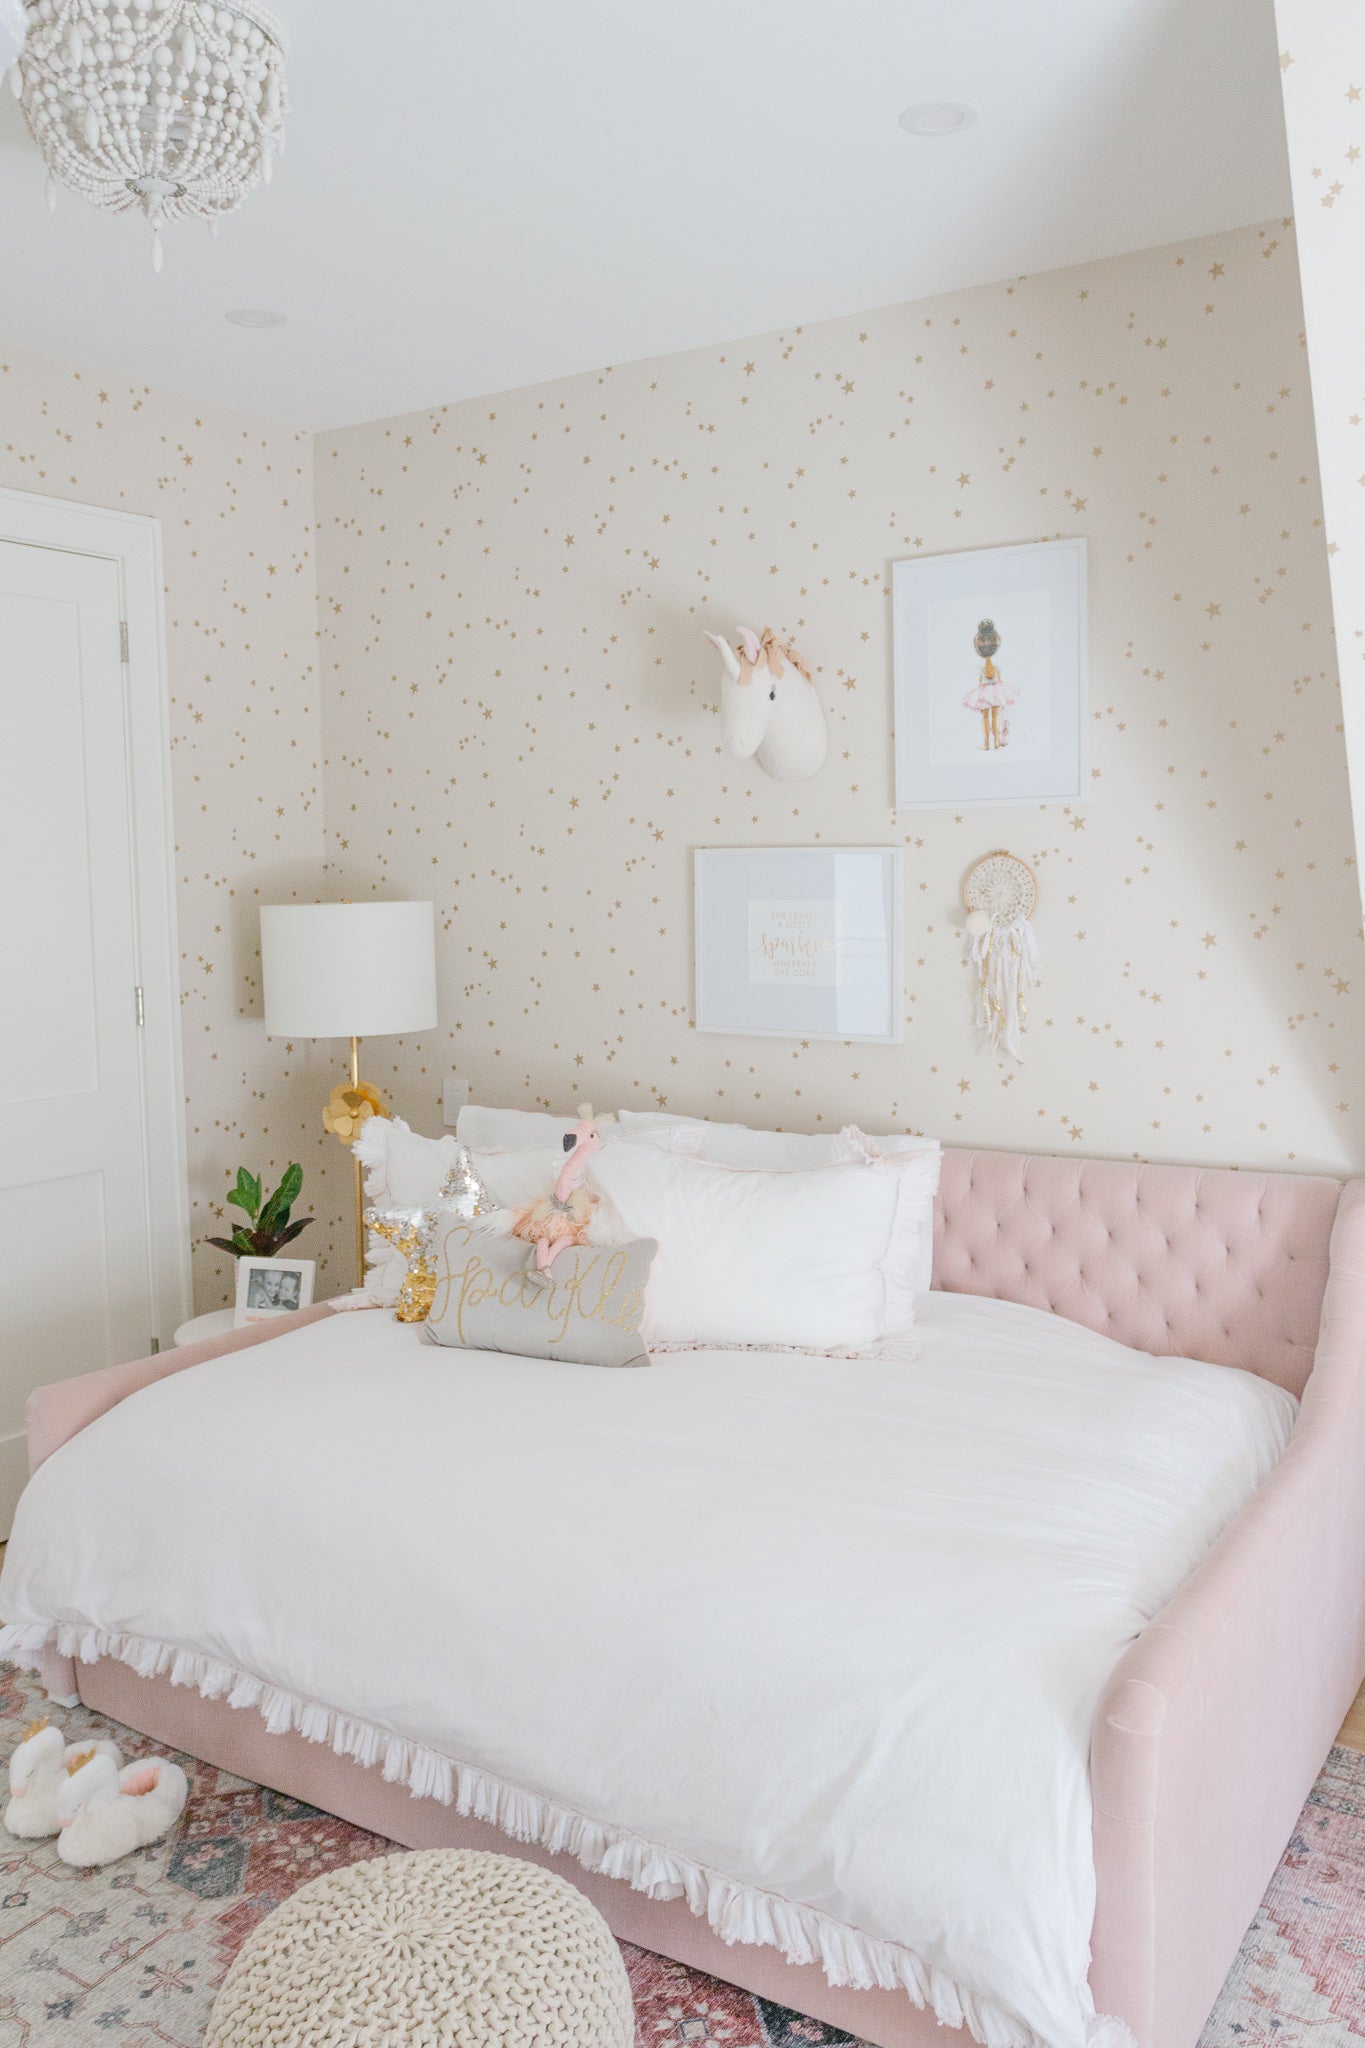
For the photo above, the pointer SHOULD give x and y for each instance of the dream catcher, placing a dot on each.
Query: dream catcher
(1000, 893)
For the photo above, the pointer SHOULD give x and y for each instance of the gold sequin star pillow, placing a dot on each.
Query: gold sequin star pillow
(398, 1253)
(586, 1310)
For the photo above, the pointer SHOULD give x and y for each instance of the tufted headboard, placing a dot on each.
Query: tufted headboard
(1183, 1260)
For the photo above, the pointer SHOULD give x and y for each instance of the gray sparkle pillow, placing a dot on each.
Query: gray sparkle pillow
(587, 1309)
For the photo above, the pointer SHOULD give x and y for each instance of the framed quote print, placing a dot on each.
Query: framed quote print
(800, 942)
(990, 658)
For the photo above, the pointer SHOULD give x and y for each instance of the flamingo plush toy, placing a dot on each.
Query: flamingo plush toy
(37, 1771)
(104, 1812)
(562, 1217)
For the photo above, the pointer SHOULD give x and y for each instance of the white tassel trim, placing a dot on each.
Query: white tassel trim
(734, 1911)
(1005, 960)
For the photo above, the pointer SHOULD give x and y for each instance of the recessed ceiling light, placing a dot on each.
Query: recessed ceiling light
(937, 117)
(254, 316)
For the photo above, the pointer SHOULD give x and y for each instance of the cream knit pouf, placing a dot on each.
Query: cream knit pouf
(444, 1948)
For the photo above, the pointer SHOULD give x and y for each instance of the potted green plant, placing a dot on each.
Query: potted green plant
(269, 1226)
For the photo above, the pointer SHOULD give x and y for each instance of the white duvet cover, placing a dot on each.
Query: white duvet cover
(817, 1644)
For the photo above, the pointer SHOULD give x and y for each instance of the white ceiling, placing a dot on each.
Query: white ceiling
(484, 193)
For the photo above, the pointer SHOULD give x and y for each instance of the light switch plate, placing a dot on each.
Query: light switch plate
(454, 1096)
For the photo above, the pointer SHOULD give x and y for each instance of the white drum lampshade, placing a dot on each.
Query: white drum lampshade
(348, 970)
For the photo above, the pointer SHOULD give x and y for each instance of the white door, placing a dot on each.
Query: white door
(77, 1288)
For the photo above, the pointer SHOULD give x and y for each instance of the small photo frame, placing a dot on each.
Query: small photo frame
(991, 683)
(272, 1287)
(801, 942)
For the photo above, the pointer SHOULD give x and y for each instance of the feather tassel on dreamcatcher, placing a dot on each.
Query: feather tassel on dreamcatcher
(1000, 893)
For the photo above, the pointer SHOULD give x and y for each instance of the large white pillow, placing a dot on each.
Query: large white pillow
(516, 1176)
(404, 1170)
(821, 1259)
(738, 1145)
(486, 1129)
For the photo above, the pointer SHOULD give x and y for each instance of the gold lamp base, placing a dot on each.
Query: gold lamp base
(347, 1109)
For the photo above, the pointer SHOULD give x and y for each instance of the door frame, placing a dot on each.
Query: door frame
(132, 541)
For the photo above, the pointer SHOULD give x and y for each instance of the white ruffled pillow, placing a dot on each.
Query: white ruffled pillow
(821, 1259)
(853, 1147)
(793, 1151)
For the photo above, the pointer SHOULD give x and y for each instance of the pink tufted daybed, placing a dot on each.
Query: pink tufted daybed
(1215, 1722)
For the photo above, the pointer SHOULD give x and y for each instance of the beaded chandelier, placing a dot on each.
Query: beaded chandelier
(174, 106)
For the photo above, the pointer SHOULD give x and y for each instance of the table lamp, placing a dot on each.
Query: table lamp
(348, 970)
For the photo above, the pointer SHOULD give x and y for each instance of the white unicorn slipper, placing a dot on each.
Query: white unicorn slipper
(37, 1771)
(104, 1812)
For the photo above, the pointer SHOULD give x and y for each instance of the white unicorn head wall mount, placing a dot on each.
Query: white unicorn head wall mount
(770, 709)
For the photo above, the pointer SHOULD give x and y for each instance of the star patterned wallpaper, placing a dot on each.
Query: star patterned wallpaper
(1322, 76)
(460, 655)
(235, 501)
(520, 715)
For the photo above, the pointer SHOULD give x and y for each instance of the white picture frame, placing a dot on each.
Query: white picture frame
(267, 1288)
(801, 942)
(977, 726)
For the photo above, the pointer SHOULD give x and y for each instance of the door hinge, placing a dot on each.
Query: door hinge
(156, 1346)
(139, 1008)
(123, 640)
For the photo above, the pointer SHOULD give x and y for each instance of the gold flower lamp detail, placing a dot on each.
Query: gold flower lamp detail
(349, 1106)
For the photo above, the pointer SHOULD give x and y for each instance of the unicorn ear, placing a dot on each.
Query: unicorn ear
(726, 653)
(751, 643)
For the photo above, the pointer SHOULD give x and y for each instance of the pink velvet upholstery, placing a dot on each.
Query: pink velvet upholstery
(1216, 1720)
(1175, 1260)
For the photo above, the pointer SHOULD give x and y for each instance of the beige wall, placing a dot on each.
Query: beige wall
(519, 713)
(520, 720)
(234, 499)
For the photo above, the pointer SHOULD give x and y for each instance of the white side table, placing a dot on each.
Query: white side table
(217, 1323)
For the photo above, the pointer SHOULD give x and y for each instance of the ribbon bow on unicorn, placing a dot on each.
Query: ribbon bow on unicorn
(767, 651)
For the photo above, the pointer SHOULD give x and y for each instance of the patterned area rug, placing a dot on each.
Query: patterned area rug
(132, 1956)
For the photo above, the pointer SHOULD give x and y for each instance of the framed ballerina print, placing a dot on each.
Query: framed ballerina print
(991, 697)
